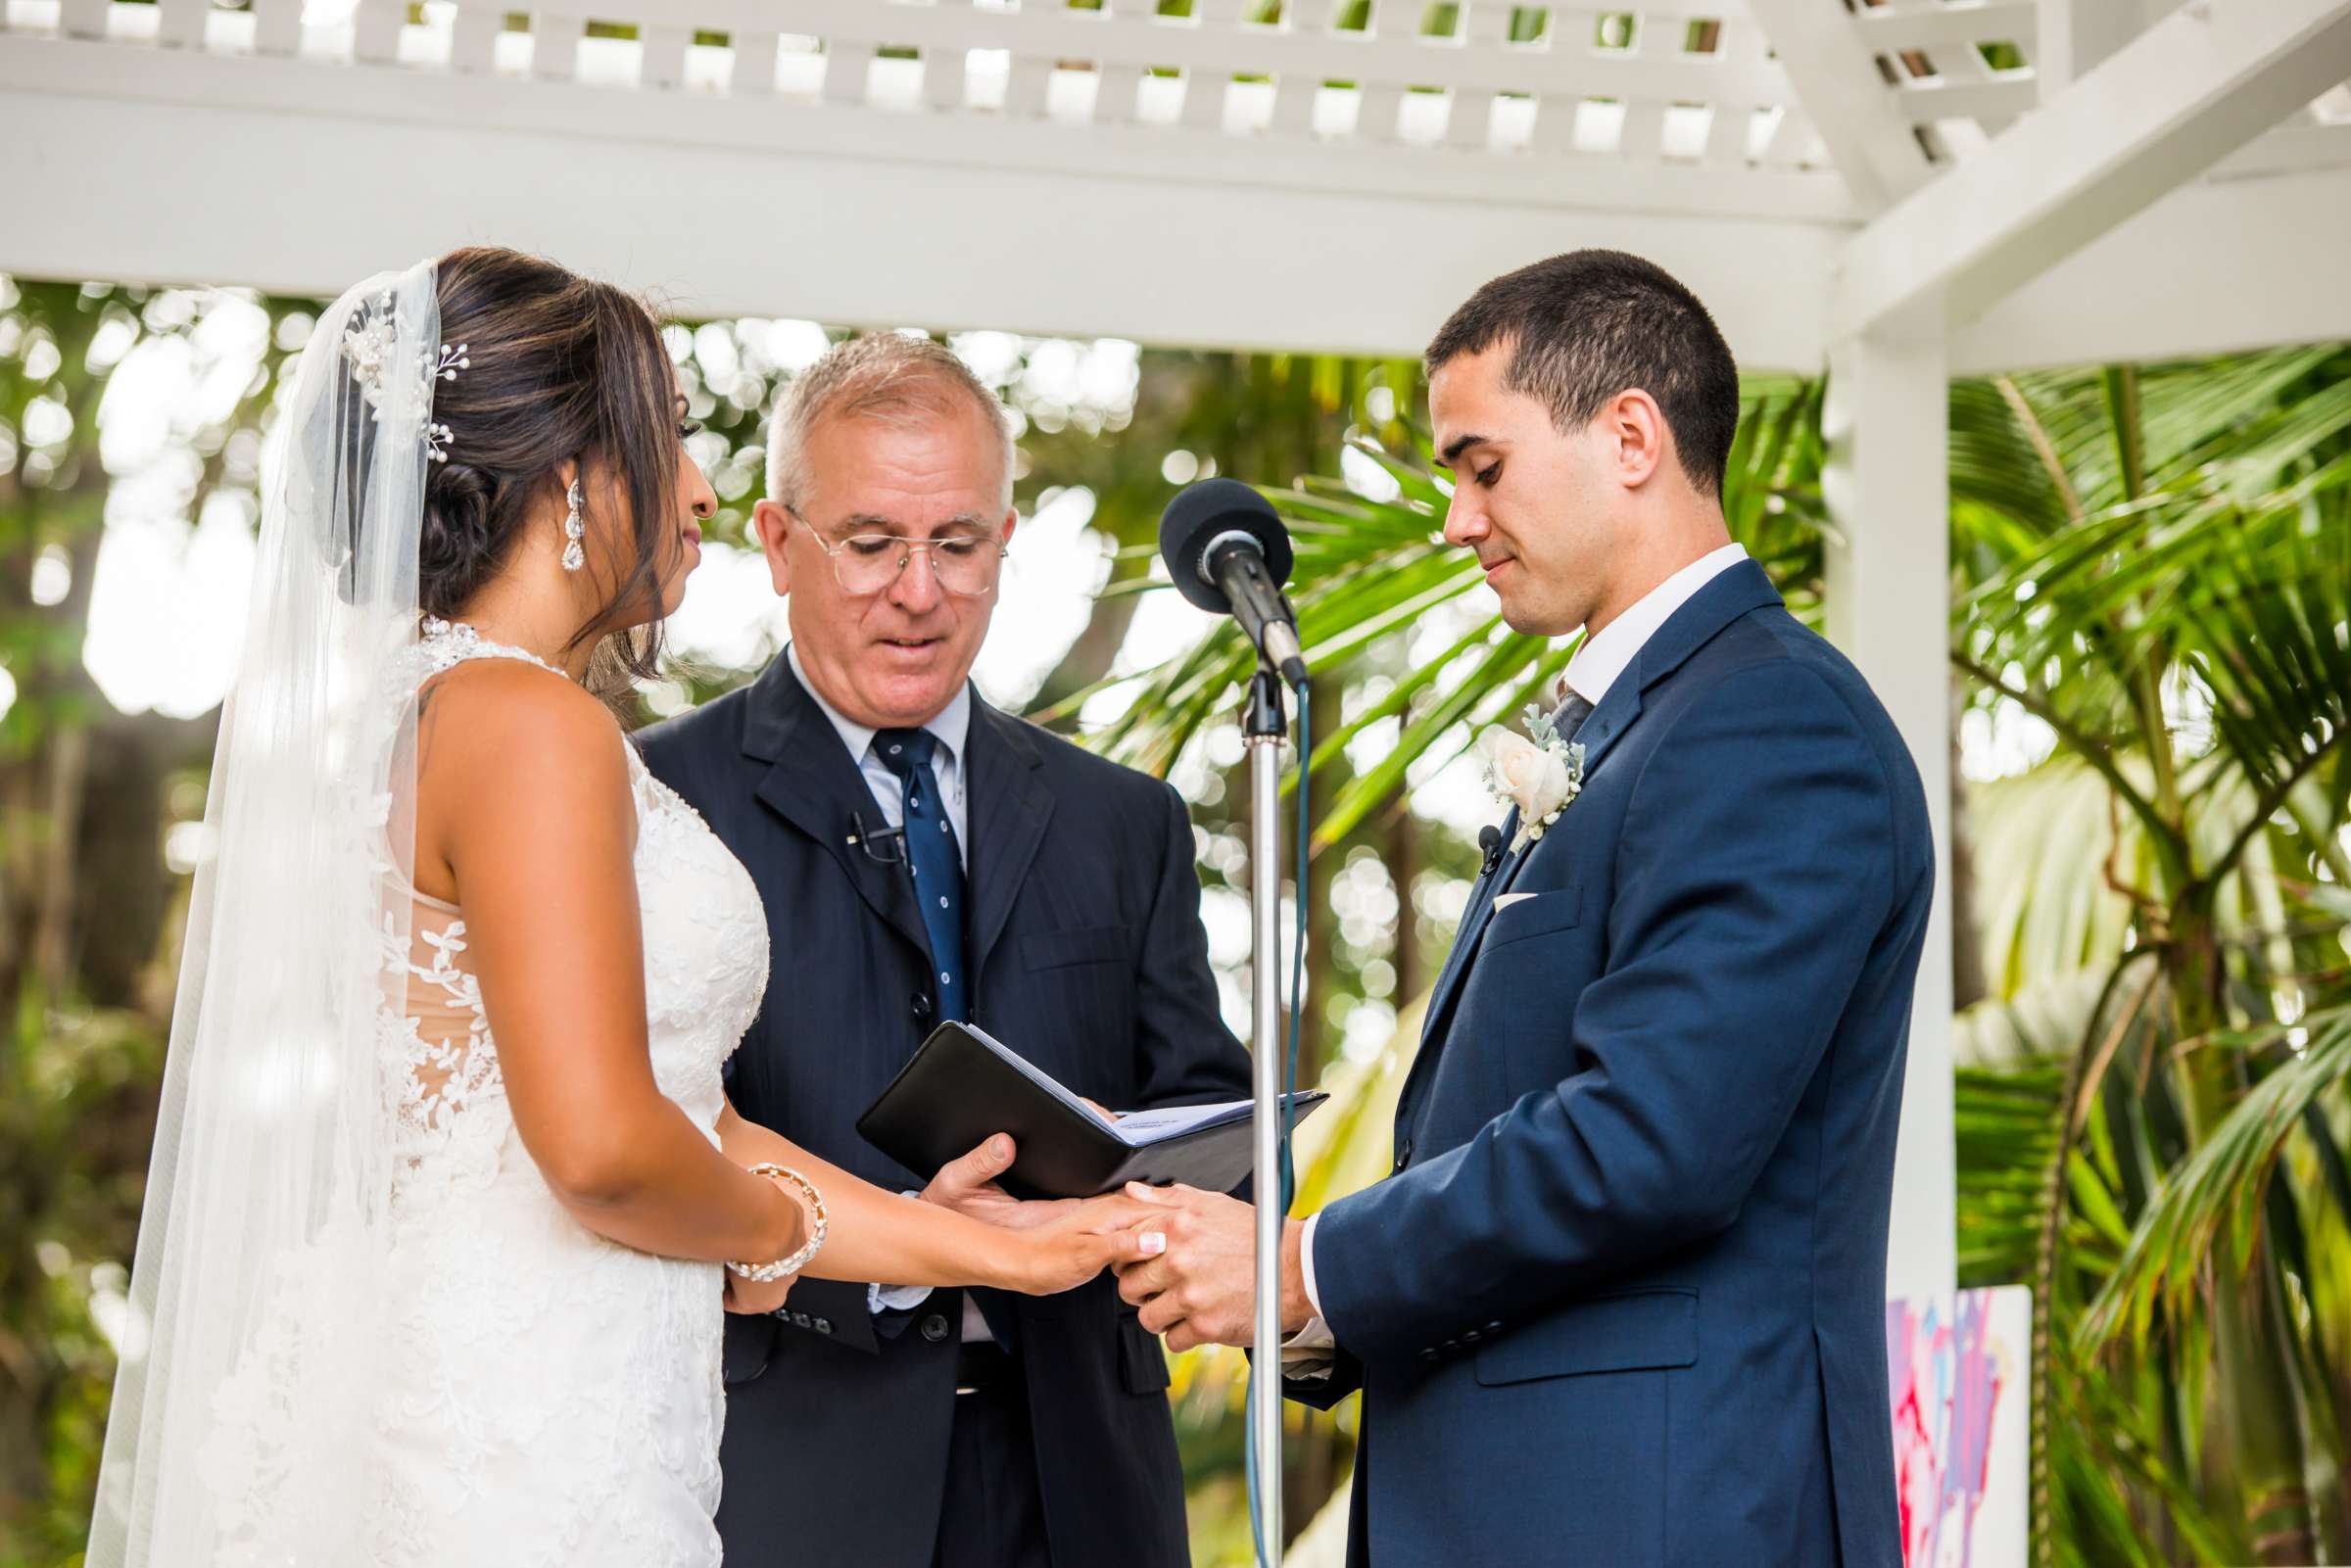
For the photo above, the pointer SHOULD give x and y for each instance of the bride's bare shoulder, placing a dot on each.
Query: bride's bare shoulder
(500, 739)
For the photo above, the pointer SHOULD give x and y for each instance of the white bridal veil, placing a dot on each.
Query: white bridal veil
(249, 1369)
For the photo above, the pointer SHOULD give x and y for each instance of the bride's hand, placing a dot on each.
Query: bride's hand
(1080, 1241)
(752, 1297)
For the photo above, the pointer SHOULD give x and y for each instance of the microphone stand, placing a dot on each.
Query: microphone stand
(1263, 730)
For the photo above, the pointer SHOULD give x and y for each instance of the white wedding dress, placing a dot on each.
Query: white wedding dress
(539, 1395)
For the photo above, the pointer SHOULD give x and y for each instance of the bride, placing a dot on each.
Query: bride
(445, 1177)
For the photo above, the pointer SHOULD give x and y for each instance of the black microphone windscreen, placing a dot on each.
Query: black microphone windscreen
(1488, 836)
(1202, 511)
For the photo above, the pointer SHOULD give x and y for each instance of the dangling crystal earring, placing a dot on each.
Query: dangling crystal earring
(574, 557)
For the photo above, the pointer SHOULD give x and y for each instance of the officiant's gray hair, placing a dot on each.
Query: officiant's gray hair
(892, 376)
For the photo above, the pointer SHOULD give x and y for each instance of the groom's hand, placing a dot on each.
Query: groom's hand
(1198, 1291)
(968, 1186)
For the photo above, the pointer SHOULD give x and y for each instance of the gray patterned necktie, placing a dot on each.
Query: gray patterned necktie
(1570, 716)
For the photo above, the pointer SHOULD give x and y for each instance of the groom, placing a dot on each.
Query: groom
(1622, 1302)
(923, 856)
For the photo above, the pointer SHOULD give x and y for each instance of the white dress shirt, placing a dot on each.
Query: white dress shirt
(1604, 656)
(951, 726)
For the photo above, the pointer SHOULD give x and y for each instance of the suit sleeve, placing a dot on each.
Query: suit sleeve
(1183, 1053)
(1755, 868)
(1325, 1390)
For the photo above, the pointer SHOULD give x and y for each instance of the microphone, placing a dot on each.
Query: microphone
(1489, 839)
(1229, 553)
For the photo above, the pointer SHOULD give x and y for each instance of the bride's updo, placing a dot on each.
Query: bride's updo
(559, 368)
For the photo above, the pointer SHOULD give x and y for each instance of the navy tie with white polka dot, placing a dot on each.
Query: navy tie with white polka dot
(937, 863)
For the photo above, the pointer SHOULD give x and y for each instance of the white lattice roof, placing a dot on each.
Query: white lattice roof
(1309, 172)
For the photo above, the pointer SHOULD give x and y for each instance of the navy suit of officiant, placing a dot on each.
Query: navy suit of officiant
(1083, 950)
(1622, 1304)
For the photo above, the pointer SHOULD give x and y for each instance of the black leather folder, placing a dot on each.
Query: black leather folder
(963, 1086)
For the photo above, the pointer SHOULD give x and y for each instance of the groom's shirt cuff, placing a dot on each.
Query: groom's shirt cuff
(1307, 1353)
(880, 1299)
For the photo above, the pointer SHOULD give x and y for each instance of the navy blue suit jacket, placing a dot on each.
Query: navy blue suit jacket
(1088, 955)
(1623, 1302)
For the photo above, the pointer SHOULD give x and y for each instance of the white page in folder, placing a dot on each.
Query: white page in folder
(1139, 1127)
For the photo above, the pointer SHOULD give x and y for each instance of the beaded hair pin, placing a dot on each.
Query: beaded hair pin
(369, 346)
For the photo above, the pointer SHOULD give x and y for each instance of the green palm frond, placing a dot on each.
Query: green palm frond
(2218, 1194)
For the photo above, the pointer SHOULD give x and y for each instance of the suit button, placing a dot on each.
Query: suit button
(922, 1008)
(1470, 1336)
(935, 1327)
(1429, 1354)
(824, 1325)
(1494, 1327)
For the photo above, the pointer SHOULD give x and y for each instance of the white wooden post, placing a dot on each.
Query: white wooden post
(1887, 487)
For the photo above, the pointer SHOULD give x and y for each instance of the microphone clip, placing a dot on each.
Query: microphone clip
(1489, 839)
(885, 845)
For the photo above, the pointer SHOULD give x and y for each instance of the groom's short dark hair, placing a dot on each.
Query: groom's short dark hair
(1585, 326)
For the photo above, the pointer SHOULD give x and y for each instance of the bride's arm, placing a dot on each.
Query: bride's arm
(525, 816)
(889, 1238)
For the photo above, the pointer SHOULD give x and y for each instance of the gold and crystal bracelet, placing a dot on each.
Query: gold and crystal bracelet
(763, 1273)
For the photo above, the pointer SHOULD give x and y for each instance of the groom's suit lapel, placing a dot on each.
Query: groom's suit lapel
(813, 785)
(1737, 591)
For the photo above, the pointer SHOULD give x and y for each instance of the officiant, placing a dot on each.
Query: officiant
(924, 857)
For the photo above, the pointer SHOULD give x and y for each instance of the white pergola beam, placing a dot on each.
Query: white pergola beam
(169, 167)
(1833, 72)
(1888, 488)
(2219, 266)
(2163, 109)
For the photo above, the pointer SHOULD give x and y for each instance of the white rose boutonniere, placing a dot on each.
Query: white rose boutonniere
(1541, 776)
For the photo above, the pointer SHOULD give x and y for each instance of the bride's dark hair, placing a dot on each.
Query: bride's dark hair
(561, 368)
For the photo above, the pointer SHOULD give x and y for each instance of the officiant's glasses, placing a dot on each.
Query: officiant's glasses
(868, 564)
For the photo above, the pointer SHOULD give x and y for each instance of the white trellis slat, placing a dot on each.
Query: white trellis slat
(84, 18)
(1379, 113)
(1024, 89)
(1999, 98)
(474, 39)
(375, 27)
(848, 67)
(555, 45)
(180, 24)
(664, 58)
(1294, 99)
(1727, 135)
(944, 74)
(752, 72)
(1891, 30)
(277, 27)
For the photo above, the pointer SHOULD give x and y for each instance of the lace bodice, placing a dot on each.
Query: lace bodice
(705, 970)
(541, 1395)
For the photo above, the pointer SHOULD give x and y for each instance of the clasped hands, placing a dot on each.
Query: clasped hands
(1197, 1291)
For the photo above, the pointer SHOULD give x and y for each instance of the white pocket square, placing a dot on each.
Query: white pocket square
(1503, 901)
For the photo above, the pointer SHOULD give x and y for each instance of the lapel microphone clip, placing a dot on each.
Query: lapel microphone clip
(1489, 839)
(886, 845)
